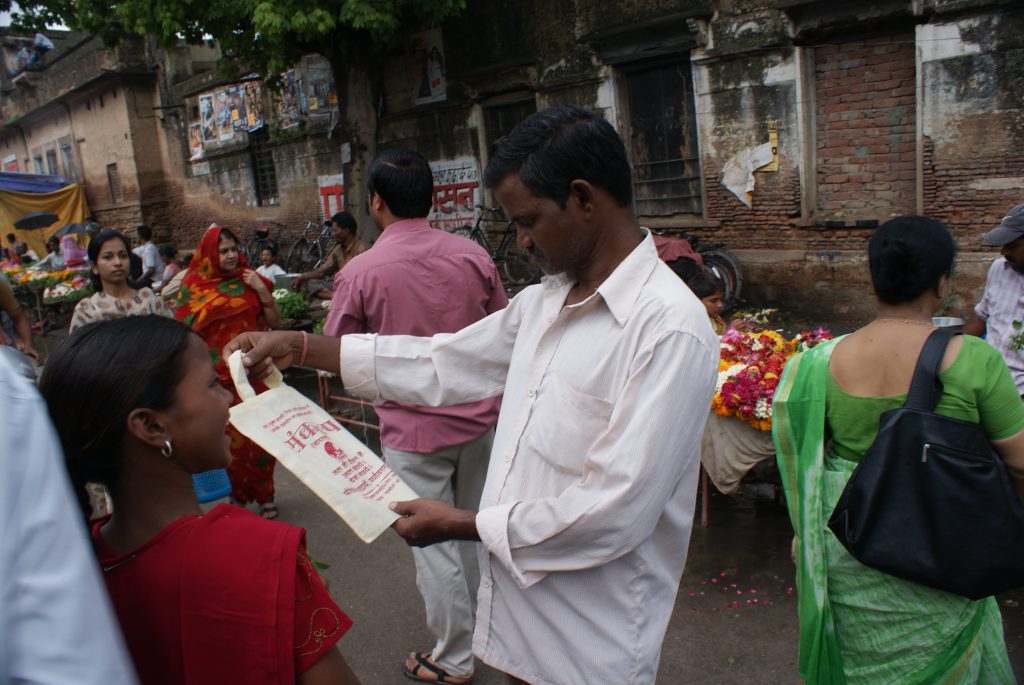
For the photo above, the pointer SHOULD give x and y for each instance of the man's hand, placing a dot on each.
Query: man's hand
(284, 348)
(263, 350)
(426, 521)
(297, 282)
(29, 351)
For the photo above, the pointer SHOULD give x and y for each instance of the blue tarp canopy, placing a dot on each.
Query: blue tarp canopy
(31, 183)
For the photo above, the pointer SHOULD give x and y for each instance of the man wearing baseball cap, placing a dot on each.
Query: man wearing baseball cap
(1003, 301)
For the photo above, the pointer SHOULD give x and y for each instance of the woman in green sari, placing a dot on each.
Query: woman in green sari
(859, 625)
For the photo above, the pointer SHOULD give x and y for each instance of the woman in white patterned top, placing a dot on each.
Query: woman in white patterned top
(114, 298)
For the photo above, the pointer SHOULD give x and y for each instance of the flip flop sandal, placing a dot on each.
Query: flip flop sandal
(268, 510)
(439, 674)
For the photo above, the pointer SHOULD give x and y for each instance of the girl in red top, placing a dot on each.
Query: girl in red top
(203, 599)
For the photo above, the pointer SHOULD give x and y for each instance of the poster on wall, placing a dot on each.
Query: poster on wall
(10, 163)
(207, 121)
(195, 143)
(428, 67)
(253, 104)
(319, 86)
(236, 105)
(332, 194)
(222, 111)
(457, 193)
(288, 100)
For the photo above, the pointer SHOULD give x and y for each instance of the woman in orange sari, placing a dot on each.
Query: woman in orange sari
(221, 298)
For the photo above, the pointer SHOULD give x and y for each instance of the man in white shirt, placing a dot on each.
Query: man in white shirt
(608, 368)
(56, 625)
(150, 255)
(1000, 311)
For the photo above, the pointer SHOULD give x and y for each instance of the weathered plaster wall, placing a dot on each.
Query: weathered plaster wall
(972, 129)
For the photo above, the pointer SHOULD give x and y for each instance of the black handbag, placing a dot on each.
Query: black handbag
(931, 501)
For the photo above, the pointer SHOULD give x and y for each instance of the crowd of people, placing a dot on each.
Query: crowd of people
(554, 441)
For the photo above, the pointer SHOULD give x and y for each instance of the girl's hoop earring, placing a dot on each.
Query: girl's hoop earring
(168, 449)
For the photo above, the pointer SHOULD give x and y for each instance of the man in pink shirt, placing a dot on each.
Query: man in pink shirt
(421, 281)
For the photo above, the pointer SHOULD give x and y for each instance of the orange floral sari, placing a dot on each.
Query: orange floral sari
(219, 306)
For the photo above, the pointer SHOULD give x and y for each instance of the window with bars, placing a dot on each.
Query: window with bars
(67, 162)
(51, 162)
(114, 183)
(499, 120)
(264, 174)
(662, 139)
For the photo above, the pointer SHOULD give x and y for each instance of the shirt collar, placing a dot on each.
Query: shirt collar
(405, 226)
(621, 289)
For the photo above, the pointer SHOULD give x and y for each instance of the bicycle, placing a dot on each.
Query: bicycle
(723, 264)
(514, 263)
(312, 247)
(259, 239)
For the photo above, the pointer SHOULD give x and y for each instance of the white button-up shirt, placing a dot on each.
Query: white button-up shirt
(1000, 306)
(588, 506)
(56, 623)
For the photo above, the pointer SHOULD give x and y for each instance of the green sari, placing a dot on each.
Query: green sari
(859, 625)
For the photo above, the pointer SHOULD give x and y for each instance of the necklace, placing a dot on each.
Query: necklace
(915, 322)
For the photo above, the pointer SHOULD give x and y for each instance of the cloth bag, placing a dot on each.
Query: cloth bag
(328, 459)
(931, 501)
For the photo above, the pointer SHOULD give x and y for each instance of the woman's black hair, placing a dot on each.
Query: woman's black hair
(96, 377)
(552, 148)
(96, 245)
(705, 284)
(168, 251)
(909, 255)
(229, 233)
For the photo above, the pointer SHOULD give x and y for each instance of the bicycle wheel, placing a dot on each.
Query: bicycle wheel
(726, 267)
(518, 268)
(303, 256)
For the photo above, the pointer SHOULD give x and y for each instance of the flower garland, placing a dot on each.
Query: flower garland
(749, 369)
(77, 288)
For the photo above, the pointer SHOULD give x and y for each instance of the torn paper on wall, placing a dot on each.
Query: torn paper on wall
(738, 172)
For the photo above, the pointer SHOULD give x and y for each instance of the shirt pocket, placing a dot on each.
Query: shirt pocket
(565, 424)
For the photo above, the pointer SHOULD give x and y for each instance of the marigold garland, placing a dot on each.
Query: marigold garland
(750, 366)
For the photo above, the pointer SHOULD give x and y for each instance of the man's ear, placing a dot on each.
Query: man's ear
(581, 193)
(146, 426)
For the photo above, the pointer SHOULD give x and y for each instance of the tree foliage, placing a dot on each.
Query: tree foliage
(265, 35)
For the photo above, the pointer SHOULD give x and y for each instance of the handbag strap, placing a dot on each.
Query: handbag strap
(926, 387)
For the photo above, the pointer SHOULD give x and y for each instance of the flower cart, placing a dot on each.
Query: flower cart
(738, 434)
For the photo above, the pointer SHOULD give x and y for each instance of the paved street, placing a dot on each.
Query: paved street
(734, 620)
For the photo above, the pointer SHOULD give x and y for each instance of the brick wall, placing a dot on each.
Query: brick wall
(768, 224)
(865, 117)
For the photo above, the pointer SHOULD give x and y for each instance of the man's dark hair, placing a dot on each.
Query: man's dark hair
(909, 255)
(10, 237)
(144, 231)
(347, 221)
(556, 146)
(404, 181)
